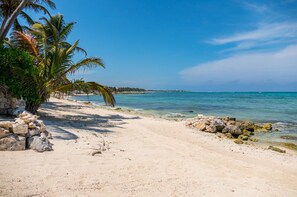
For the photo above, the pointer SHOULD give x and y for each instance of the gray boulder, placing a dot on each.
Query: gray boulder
(13, 143)
(233, 129)
(217, 125)
(249, 126)
(40, 144)
(34, 132)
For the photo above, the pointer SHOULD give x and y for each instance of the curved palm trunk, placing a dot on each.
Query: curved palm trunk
(10, 21)
(32, 107)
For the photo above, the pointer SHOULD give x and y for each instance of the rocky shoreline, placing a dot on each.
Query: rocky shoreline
(241, 132)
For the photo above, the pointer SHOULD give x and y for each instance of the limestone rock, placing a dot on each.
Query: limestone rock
(4, 132)
(19, 121)
(40, 144)
(229, 135)
(217, 125)
(249, 126)
(267, 126)
(253, 139)
(243, 137)
(31, 125)
(201, 125)
(288, 137)
(210, 129)
(13, 143)
(20, 129)
(276, 149)
(41, 125)
(247, 133)
(227, 119)
(238, 141)
(33, 132)
(231, 122)
(290, 146)
(6, 124)
(233, 129)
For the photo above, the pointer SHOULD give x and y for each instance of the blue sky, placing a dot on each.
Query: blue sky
(212, 45)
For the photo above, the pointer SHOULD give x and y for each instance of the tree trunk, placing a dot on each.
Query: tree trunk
(32, 107)
(11, 19)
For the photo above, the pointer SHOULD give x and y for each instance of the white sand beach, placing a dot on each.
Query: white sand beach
(144, 156)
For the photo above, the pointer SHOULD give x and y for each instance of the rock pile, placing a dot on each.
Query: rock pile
(230, 127)
(26, 132)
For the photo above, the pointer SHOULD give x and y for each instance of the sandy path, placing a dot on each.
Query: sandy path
(147, 157)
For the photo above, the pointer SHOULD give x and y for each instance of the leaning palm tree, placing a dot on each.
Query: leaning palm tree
(47, 42)
(11, 9)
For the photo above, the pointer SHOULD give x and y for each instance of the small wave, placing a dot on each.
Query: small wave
(174, 115)
(138, 109)
(285, 124)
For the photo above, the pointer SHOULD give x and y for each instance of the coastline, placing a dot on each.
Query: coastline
(144, 156)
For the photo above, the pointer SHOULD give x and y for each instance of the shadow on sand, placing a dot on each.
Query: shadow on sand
(58, 124)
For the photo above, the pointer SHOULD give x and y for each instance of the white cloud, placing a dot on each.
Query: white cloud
(278, 67)
(255, 7)
(264, 33)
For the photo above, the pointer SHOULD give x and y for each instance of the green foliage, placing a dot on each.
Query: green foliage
(53, 57)
(17, 73)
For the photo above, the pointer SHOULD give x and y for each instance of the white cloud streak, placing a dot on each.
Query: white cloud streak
(263, 33)
(255, 7)
(278, 67)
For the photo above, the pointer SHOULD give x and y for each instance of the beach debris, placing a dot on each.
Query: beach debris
(96, 152)
(229, 126)
(26, 132)
(274, 148)
(238, 141)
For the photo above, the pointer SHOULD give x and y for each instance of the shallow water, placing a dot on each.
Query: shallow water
(277, 108)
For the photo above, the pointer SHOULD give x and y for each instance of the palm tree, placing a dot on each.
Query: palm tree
(11, 9)
(46, 41)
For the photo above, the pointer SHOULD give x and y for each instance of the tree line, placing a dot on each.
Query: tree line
(126, 89)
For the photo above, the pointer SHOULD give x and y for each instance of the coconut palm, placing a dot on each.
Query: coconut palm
(47, 42)
(11, 9)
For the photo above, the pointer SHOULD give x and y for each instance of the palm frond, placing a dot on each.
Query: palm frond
(104, 91)
(27, 18)
(49, 3)
(88, 87)
(85, 63)
(26, 42)
(72, 48)
(65, 31)
(17, 26)
(37, 8)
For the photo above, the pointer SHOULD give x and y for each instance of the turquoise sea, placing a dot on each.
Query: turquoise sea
(279, 108)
